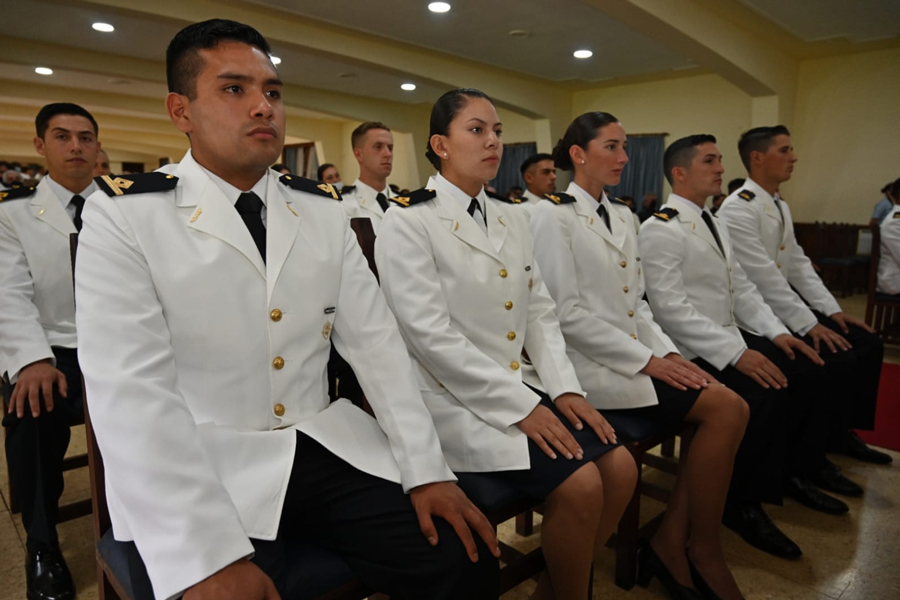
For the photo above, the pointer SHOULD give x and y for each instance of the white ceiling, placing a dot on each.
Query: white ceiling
(816, 20)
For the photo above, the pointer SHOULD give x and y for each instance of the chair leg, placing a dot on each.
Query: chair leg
(525, 523)
(105, 590)
(627, 538)
(668, 447)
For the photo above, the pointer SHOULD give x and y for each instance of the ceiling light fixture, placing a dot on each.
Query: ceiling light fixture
(104, 27)
(582, 54)
(439, 7)
(275, 60)
(43, 71)
(408, 87)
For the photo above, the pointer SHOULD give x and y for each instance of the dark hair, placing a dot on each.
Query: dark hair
(894, 189)
(183, 60)
(758, 139)
(42, 120)
(681, 152)
(735, 184)
(533, 160)
(442, 114)
(321, 170)
(363, 129)
(279, 167)
(580, 133)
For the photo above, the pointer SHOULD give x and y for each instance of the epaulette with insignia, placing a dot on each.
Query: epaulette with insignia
(666, 213)
(310, 186)
(619, 201)
(415, 197)
(746, 195)
(497, 196)
(16, 193)
(560, 198)
(897, 215)
(139, 183)
(347, 189)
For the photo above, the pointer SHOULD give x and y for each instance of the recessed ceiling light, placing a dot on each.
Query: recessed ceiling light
(408, 87)
(519, 33)
(439, 7)
(104, 27)
(275, 60)
(43, 71)
(346, 75)
(583, 54)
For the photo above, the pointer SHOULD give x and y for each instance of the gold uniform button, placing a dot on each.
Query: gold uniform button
(623, 264)
(630, 313)
(278, 363)
(625, 289)
(514, 365)
(279, 410)
(275, 315)
(509, 305)
(782, 247)
(511, 335)
(778, 265)
(633, 336)
(503, 273)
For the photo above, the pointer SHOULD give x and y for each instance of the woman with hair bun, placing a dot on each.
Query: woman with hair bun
(456, 268)
(587, 249)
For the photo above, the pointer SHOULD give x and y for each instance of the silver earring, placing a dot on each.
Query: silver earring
(582, 162)
(445, 155)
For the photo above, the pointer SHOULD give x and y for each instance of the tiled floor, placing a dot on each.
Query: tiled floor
(854, 557)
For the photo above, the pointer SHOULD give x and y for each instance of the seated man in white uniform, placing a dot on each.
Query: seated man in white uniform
(889, 264)
(207, 297)
(373, 148)
(539, 174)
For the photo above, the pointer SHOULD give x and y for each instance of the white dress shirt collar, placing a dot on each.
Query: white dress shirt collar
(578, 191)
(64, 195)
(232, 193)
(681, 203)
(527, 196)
(464, 199)
(369, 192)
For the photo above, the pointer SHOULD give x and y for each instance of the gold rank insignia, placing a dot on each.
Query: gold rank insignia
(560, 198)
(666, 214)
(17, 193)
(422, 195)
(401, 200)
(327, 187)
(310, 186)
(746, 195)
(326, 330)
(897, 215)
(139, 183)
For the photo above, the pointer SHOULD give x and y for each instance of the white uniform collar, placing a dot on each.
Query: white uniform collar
(369, 192)
(529, 197)
(460, 196)
(757, 189)
(232, 193)
(680, 202)
(64, 195)
(577, 191)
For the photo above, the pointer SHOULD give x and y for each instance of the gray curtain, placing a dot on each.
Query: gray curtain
(513, 157)
(644, 171)
(290, 158)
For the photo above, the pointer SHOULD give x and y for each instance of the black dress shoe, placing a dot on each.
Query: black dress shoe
(753, 524)
(650, 565)
(699, 582)
(47, 576)
(830, 479)
(851, 445)
(806, 493)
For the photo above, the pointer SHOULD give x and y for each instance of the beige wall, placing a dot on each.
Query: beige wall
(679, 107)
(846, 134)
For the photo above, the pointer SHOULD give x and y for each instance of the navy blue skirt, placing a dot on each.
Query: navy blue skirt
(546, 474)
(645, 421)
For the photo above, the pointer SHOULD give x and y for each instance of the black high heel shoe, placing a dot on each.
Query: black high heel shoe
(650, 566)
(698, 580)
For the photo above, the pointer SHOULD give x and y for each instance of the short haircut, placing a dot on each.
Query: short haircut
(183, 60)
(360, 132)
(580, 133)
(321, 170)
(533, 160)
(443, 112)
(279, 167)
(735, 184)
(681, 152)
(42, 120)
(758, 139)
(894, 190)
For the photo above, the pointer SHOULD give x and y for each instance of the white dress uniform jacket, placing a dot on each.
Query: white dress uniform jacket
(201, 361)
(594, 275)
(360, 202)
(889, 263)
(467, 304)
(37, 305)
(765, 246)
(699, 296)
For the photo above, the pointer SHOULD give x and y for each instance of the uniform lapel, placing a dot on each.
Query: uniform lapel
(593, 221)
(462, 224)
(497, 228)
(206, 209)
(282, 223)
(694, 222)
(46, 207)
(370, 206)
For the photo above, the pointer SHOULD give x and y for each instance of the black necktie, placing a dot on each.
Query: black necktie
(78, 201)
(709, 223)
(249, 206)
(473, 206)
(382, 201)
(601, 211)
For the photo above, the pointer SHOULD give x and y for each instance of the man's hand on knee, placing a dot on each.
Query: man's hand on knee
(37, 378)
(444, 499)
(241, 580)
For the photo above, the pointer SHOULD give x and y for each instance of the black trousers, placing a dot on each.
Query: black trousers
(35, 449)
(853, 376)
(342, 381)
(371, 523)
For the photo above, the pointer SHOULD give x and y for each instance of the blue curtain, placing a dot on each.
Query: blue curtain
(513, 156)
(644, 171)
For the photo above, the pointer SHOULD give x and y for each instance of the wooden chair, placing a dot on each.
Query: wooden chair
(882, 310)
(314, 573)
